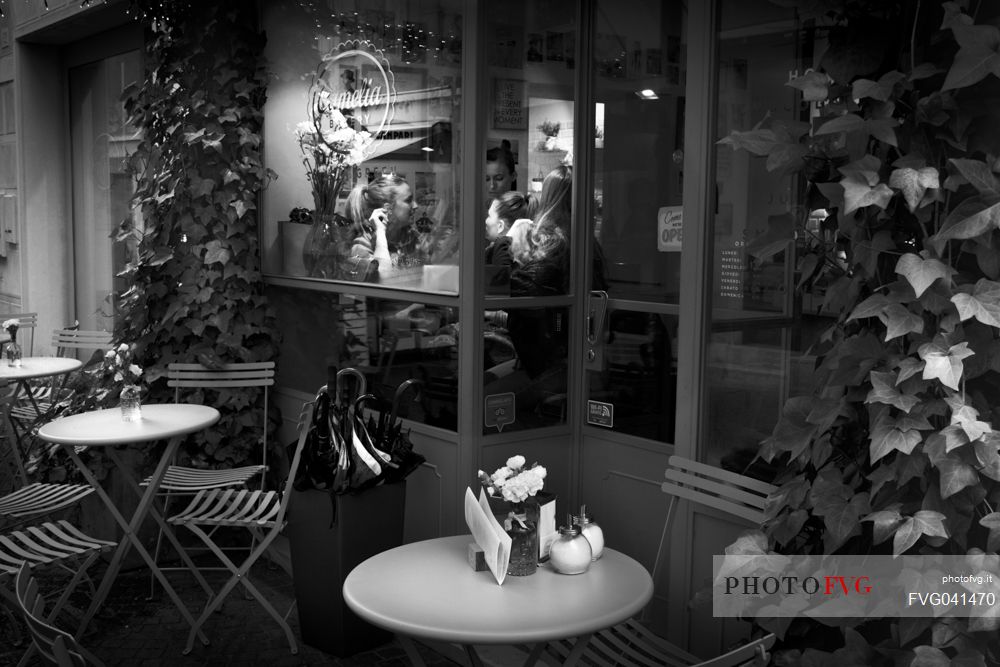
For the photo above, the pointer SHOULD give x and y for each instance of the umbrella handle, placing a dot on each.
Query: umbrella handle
(360, 383)
(400, 390)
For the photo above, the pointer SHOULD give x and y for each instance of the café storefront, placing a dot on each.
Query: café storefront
(679, 331)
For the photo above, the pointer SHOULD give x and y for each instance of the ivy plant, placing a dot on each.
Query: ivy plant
(194, 287)
(896, 450)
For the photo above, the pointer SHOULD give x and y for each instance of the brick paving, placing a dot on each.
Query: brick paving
(135, 631)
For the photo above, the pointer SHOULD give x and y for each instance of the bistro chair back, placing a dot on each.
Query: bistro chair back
(633, 644)
(67, 342)
(55, 646)
(261, 512)
(190, 382)
(27, 322)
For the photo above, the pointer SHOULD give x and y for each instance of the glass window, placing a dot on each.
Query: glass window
(361, 126)
(389, 341)
(102, 189)
(761, 328)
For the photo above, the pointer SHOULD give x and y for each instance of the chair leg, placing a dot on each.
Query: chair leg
(239, 577)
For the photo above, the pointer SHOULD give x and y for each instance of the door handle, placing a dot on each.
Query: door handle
(597, 313)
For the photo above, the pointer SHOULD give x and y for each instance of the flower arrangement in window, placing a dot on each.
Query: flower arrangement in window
(12, 349)
(331, 147)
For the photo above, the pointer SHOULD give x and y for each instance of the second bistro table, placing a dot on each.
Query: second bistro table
(428, 590)
(31, 368)
(169, 421)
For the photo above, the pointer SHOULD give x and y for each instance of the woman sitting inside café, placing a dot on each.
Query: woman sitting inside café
(380, 213)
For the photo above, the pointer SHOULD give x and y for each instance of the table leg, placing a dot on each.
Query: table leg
(536, 653)
(130, 538)
(410, 649)
(166, 529)
(15, 439)
(579, 646)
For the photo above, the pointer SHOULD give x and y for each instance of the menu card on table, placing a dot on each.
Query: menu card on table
(488, 533)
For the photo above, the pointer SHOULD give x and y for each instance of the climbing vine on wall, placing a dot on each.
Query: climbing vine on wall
(195, 287)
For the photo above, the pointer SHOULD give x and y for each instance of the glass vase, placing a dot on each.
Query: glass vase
(130, 403)
(13, 354)
(523, 543)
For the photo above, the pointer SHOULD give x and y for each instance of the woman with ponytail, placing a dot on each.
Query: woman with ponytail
(380, 213)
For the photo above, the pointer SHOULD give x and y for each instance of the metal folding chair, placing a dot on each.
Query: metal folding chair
(181, 480)
(262, 513)
(633, 644)
(54, 645)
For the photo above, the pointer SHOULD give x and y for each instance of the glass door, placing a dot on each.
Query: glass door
(636, 219)
(101, 140)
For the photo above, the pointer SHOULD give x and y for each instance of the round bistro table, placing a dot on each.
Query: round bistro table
(427, 590)
(104, 428)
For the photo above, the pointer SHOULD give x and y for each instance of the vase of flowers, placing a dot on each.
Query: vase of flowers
(332, 147)
(119, 364)
(12, 351)
(517, 485)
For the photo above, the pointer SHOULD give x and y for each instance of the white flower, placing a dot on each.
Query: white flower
(12, 322)
(123, 348)
(134, 370)
(515, 462)
(501, 475)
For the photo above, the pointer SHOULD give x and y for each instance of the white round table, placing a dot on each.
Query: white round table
(170, 421)
(31, 368)
(105, 427)
(38, 367)
(428, 590)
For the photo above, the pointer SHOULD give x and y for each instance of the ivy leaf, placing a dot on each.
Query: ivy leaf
(920, 272)
(887, 438)
(913, 183)
(759, 141)
(945, 365)
(976, 58)
(216, 252)
(979, 174)
(815, 86)
(924, 71)
(908, 368)
(983, 304)
(955, 476)
(884, 524)
(928, 656)
(858, 194)
(924, 522)
(841, 520)
(873, 306)
(847, 123)
(971, 218)
(786, 158)
(954, 437)
(878, 90)
(992, 523)
(899, 321)
(884, 391)
(834, 194)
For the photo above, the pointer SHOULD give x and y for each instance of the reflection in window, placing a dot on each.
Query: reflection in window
(386, 80)
(388, 341)
(525, 352)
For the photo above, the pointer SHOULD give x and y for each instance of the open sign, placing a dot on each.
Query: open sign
(669, 228)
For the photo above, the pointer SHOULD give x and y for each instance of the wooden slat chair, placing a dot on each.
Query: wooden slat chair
(262, 513)
(182, 480)
(632, 644)
(55, 646)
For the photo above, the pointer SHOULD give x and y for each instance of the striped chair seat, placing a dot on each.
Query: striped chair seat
(41, 498)
(46, 544)
(230, 507)
(191, 480)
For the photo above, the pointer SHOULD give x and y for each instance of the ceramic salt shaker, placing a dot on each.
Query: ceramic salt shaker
(590, 530)
(570, 552)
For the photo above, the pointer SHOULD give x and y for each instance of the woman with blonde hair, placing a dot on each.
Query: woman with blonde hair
(380, 215)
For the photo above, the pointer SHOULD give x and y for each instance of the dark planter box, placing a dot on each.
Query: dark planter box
(324, 552)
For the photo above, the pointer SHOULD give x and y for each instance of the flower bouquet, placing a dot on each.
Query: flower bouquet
(119, 364)
(12, 349)
(516, 484)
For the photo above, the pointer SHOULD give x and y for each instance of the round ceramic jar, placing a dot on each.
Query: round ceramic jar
(590, 530)
(570, 552)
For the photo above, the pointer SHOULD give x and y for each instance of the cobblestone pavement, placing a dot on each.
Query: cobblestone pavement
(132, 630)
